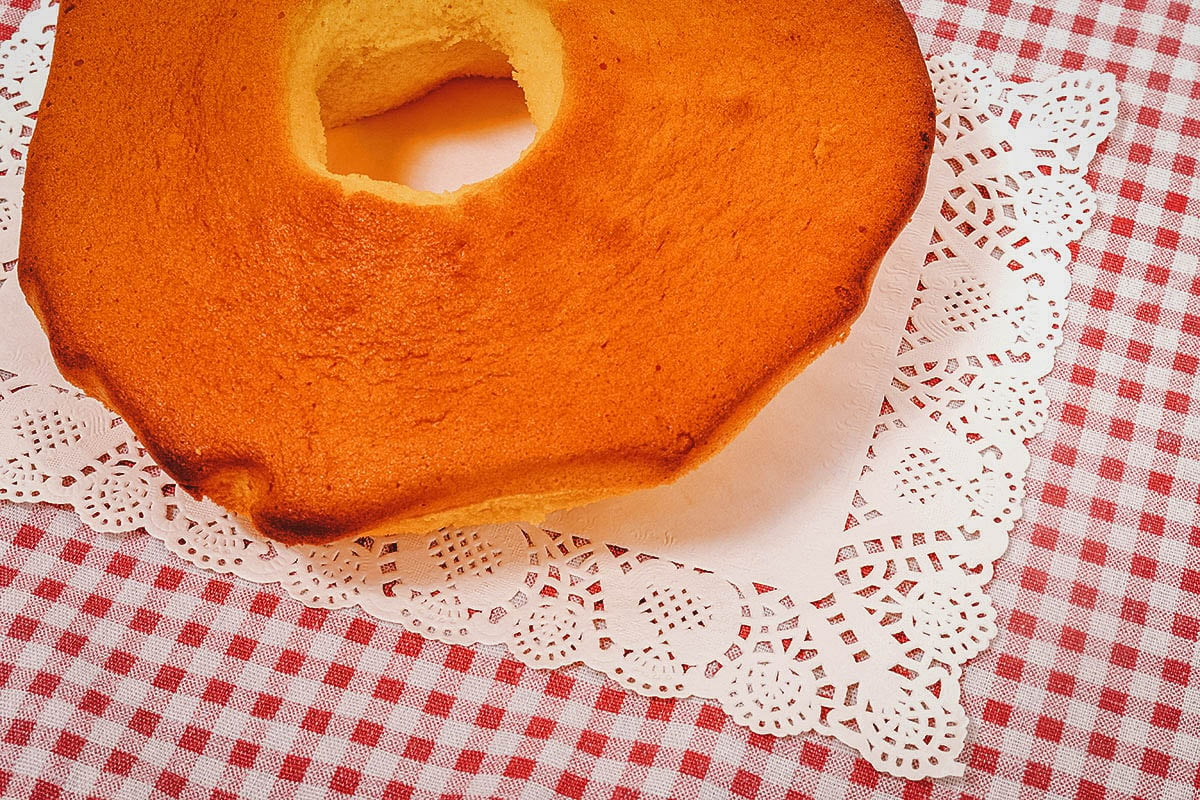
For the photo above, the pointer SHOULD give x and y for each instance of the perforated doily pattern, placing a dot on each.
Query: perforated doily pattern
(874, 662)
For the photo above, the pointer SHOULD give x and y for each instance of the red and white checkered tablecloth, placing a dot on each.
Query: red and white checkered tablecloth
(126, 674)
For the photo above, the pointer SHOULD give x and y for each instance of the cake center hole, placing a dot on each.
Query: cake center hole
(464, 131)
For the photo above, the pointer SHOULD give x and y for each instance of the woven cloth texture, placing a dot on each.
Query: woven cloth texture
(125, 673)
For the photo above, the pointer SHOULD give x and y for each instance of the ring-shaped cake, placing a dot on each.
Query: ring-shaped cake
(710, 191)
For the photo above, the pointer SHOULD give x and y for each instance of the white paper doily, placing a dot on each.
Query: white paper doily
(825, 572)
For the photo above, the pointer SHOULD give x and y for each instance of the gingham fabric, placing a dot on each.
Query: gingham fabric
(126, 674)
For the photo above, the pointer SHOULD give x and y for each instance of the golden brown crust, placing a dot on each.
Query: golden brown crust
(702, 219)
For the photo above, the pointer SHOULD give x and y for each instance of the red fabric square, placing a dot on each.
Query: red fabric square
(409, 644)
(1186, 627)
(918, 790)
(745, 784)
(22, 628)
(94, 703)
(489, 716)
(312, 618)
(170, 784)
(510, 671)
(1073, 639)
(1155, 762)
(661, 708)
(1049, 728)
(1022, 624)
(169, 678)
(1151, 523)
(1009, 667)
(339, 675)
(1177, 402)
(49, 589)
(69, 745)
(1034, 579)
(559, 685)
(864, 774)
(389, 690)
(459, 658)
(397, 791)
(1175, 202)
(97, 606)
(119, 762)
(243, 754)
(1061, 683)
(642, 753)
(984, 759)
(144, 722)
(345, 780)
(1130, 390)
(168, 579)
(120, 565)
(1190, 581)
(418, 749)
(218, 691)
(361, 631)
(996, 712)
(264, 604)
(1121, 429)
(18, 732)
(439, 704)
(1113, 700)
(1165, 716)
(1102, 746)
(1062, 454)
(1037, 775)
(1157, 275)
(540, 728)
(194, 739)
(29, 537)
(1134, 611)
(1176, 671)
(266, 706)
(294, 767)
(241, 647)
(570, 785)
(367, 733)
(73, 552)
(469, 761)
(43, 790)
(1093, 551)
(592, 743)
(1112, 469)
(694, 764)
(289, 662)
(711, 717)
(192, 634)
(316, 720)
(610, 700)
(217, 591)
(1143, 567)
(119, 662)
(762, 741)
(1169, 442)
(814, 755)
